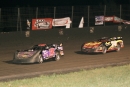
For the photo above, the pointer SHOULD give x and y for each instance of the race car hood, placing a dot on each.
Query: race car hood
(25, 54)
(91, 44)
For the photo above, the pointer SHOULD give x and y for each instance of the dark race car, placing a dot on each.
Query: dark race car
(39, 53)
(103, 45)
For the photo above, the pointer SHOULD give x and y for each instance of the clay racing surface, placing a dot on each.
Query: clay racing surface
(73, 60)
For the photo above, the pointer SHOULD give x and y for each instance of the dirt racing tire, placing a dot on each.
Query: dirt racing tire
(40, 59)
(118, 47)
(104, 50)
(57, 57)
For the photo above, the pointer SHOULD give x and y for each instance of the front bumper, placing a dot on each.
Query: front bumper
(32, 59)
(27, 60)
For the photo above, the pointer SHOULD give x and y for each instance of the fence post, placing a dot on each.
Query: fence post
(120, 12)
(54, 14)
(19, 21)
(0, 18)
(104, 13)
(88, 16)
(72, 16)
(36, 12)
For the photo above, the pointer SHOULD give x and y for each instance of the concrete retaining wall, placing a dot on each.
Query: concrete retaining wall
(52, 36)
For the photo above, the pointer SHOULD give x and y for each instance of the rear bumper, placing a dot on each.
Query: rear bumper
(88, 50)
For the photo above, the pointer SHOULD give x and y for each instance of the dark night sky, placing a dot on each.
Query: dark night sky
(14, 3)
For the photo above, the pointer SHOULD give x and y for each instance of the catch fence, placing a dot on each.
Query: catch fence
(14, 18)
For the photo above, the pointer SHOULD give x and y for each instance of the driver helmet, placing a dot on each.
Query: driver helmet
(54, 45)
(61, 44)
(47, 47)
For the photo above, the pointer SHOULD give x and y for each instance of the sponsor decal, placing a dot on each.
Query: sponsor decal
(25, 54)
(48, 53)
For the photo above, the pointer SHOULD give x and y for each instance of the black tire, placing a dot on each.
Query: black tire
(118, 47)
(57, 57)
(40, 59)
(104, 50)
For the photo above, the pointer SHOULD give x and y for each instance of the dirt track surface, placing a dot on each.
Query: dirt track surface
(73, 60)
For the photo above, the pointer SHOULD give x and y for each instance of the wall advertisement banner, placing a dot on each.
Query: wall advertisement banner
(108, 19)
(62, 22)
(99, 20)
(41, 23)
(126, 22)
(117, 20)
(81, 23)
(28, 24)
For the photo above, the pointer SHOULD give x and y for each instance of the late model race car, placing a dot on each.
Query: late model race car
(103, 45)
(39, 53)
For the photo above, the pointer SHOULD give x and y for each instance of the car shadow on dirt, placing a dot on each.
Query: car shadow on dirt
(11, 62)
(83, 53)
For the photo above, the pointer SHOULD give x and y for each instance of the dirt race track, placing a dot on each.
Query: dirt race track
(72, 61)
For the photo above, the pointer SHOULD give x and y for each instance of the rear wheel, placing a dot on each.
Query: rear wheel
(118, 47)
(40, 59)
(57, 57)
(104, 49)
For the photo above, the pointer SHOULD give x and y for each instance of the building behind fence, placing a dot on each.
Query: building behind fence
(14, 19)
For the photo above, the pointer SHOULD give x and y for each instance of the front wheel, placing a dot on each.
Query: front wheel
(40, 59)
(57, 57)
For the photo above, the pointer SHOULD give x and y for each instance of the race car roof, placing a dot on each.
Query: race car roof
(41, 44)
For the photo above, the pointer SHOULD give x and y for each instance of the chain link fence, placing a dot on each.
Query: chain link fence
(14, 19)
